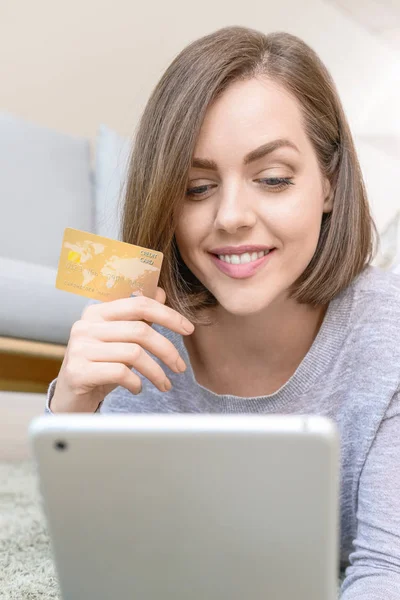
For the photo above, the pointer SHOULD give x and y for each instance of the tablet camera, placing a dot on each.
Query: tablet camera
(60, 445)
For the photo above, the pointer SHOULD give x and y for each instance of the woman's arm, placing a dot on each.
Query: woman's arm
(374, 571)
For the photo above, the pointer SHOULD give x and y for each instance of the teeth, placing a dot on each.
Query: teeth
(240, 259)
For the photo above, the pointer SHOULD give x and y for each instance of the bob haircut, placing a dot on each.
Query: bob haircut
(165, 140)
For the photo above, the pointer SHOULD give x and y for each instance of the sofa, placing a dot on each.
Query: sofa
(50, 181)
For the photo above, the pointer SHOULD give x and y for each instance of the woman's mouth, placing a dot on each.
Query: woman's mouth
(247, 266)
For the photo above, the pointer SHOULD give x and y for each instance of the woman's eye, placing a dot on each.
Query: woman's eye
(275, 183)
(197, 191)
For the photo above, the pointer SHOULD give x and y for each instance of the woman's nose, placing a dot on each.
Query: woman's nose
(234, 211)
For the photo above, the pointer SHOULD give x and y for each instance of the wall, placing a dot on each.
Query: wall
(71, 66)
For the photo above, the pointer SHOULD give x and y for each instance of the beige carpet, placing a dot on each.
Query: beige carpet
(26, 565)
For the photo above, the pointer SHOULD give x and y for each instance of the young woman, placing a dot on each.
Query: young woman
(244, 174)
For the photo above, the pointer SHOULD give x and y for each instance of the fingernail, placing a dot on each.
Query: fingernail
(180, 365)
(167, 384)
(188, 326)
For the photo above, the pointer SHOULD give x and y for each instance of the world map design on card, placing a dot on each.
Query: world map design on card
(105, 269)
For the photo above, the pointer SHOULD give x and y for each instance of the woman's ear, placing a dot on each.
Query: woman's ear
(328, 195)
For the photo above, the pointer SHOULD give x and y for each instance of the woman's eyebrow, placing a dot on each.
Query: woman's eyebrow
(210, 165)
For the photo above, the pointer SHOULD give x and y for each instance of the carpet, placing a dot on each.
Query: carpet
(26, 565)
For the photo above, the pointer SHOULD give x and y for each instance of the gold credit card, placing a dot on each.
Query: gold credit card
(104, 269)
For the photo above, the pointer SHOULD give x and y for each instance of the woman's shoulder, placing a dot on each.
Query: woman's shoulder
(375, 313)
(377, 282)
(375, 297)
(375, 293)
(366, 316)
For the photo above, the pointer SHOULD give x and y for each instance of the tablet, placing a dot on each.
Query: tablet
(191, 506)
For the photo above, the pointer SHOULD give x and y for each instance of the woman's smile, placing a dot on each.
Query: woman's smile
(242, 270)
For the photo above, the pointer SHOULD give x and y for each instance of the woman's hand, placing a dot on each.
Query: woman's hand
(110, 338)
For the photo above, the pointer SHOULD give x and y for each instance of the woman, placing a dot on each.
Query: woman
(244, 174)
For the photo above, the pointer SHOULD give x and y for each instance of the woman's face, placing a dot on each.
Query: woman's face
(275, 201)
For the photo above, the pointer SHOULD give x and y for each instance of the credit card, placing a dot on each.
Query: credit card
(105, 269)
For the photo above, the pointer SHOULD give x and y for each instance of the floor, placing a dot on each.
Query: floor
(17, 410)
(27, 367)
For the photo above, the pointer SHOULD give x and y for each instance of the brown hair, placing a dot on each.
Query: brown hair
(166, 137)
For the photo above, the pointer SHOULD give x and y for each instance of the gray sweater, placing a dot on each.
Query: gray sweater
(351, 374)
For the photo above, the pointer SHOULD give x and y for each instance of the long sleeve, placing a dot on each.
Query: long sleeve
(50, 393)
(374, 571)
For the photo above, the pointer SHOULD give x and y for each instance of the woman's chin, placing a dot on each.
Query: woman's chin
(243, 307)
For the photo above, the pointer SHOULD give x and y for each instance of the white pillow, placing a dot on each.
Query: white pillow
(388, 256)
(112, 154)
(380, 168)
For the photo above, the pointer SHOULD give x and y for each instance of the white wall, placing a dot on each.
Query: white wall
(72, 65)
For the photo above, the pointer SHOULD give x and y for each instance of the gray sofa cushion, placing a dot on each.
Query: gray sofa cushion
(45, 186)
(31, 307)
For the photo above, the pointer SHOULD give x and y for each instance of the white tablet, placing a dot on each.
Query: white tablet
(191, 506)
